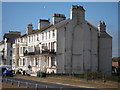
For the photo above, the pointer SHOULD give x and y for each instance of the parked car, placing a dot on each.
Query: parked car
(3, 68)
(8, 73)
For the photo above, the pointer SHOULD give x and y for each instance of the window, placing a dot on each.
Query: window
(49, 46)
(20, 50)
(23, 61)
(23, 50)
(29, 39)
(11, 45)
(36, 61)
(10, 62)
(52, 45)
(53, 63)
(42, 36)
(11, 53)
(37, 38)
(46, 35)
(48, 61)
(31, 62)
(34, 38)
(53, 34)
(13, 50)
(49, 34)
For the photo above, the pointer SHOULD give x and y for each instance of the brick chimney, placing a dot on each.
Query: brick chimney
(58, 17)
(42, 23)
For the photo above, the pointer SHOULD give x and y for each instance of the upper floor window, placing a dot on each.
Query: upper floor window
(46, 35)
(21, 40)
(37, 37)
(11, 53)
(20, 50)
(13, 50)
(23, 61)
(49, 34)
(53, 34)
(34, 38)
(42, 36)
(29, 38)
(11, 45)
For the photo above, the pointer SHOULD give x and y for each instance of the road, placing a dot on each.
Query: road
(38, 84)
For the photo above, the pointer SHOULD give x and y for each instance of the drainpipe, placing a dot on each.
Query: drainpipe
(65, 52)
(71, 52)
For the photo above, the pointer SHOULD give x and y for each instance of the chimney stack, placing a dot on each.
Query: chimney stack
(58, 17)
(43, 22)
(29, 28)
(102, 27)
(77, 12)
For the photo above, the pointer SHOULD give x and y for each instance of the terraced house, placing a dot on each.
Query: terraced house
(66, 46)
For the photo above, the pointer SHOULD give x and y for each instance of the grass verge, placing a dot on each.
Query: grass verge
(73, 81)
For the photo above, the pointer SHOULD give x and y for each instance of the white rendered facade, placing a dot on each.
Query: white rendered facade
(40, 48)
(6, 47)
(66, 46)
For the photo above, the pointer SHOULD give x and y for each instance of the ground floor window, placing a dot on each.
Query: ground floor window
(23, 61)
(31, 62)
(20, 60)
(53, 62)
(36, 61)
(10, 62)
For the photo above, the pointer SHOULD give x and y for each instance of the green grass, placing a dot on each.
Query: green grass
(7, 85)
(73, 81)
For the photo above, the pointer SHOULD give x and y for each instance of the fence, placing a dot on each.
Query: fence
(24, 84)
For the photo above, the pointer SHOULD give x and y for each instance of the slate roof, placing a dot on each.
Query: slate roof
(48, 27)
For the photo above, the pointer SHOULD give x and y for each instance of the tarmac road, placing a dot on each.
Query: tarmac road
(38, 84)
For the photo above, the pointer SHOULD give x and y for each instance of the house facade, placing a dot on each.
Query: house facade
(66, 46)
(6, 47)
(115, 64)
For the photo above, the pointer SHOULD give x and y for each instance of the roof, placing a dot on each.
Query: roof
(116, 59)
(57, 25)
(7, 35)
(62, 23)
(44, 20)
(2, 42)
(104, 35)
(91, 25)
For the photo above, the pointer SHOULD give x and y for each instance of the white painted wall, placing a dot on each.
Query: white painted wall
(76, 47)
(105, 55)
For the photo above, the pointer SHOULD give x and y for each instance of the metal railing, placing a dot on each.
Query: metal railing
(24, 84)
(37, 53)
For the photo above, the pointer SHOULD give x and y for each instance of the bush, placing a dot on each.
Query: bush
(97, 76)
(18, 72)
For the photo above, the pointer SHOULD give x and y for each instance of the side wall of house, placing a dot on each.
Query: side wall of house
(105, 55)
(60, 50)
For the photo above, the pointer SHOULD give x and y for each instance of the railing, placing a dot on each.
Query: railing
(38, 53)
(24, 84)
